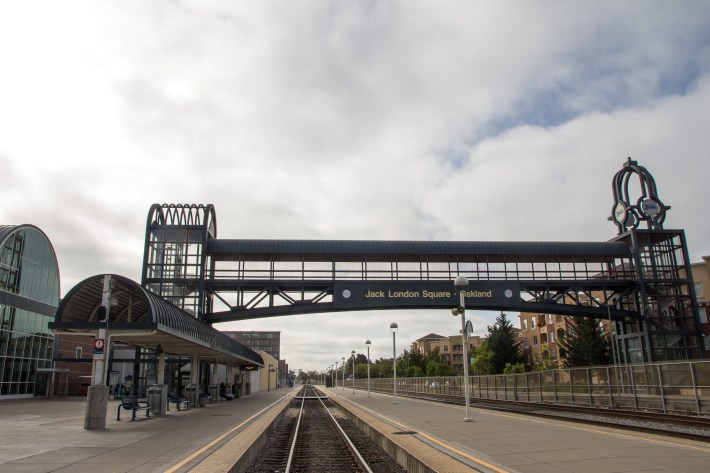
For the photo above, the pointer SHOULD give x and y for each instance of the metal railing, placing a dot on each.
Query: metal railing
(672, 388)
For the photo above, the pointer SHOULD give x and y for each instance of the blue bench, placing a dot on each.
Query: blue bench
(178, 400)
(132, 404)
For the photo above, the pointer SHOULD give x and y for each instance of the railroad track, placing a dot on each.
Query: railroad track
(311, 438)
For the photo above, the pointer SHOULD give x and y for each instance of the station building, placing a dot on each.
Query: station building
(29, 296)
(47, 344)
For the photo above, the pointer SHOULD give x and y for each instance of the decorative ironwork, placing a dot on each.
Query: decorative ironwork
(648, 207)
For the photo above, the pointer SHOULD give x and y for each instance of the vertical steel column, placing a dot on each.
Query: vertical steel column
(691, 365)
(660, 387)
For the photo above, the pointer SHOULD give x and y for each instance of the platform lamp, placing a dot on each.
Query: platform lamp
(353, 354)
(461, 284)
(343, 367)
(368, 342)
(393, 329)
(335, 384)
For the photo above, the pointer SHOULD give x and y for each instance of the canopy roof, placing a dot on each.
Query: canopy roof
(139, 317)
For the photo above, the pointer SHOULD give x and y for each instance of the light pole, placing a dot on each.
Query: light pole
(353, 354)
(336, 376)
(393, 329)
(343, 367)
(268, 378)
(461, 283)
(368, 342)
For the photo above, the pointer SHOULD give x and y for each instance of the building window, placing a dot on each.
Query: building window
(534, 340)
(446, 348)
(532, 322)
(78, 352)
(703, 312)
(525, 325)
(707, 342)
(552, 337)
(698, 289)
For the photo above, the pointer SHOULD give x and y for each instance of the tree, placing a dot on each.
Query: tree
(543, 360)
(587, 344)
(483, 359)
(504, 343)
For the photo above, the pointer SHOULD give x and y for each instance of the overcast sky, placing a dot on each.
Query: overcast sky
(377, 120)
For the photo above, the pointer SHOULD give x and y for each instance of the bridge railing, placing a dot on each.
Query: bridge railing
(674, 388)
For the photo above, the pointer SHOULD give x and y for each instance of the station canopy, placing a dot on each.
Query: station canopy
(140, 318)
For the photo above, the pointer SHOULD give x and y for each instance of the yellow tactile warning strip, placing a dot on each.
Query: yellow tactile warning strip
(226, 456)
(417, 445)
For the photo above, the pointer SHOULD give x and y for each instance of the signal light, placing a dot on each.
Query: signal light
(101, 313)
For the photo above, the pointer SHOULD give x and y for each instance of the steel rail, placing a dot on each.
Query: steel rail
(353, 450)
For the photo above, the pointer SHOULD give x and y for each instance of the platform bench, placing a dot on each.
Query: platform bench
(132, 404)
(178, 400)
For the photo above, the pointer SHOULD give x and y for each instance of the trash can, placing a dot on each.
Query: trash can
(213, 391)
(155, 399)
(191, 395)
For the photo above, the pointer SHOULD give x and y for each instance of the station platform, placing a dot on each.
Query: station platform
(47, 435)
(508, 442)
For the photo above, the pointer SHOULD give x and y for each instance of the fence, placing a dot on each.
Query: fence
(671, 388)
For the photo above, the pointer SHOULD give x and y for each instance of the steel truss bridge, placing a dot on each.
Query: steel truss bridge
(640, 279)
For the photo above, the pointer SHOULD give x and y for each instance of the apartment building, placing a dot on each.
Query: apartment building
(701, 282)
(539, 334)
(450, 347)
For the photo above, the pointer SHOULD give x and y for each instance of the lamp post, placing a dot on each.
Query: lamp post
(368, 342)
(335, 384)
(268, 378)
(461, 284)
(343, 367)
(393, 329)
(353, 354)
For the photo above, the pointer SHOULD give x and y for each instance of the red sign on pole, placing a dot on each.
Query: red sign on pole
(99, 344)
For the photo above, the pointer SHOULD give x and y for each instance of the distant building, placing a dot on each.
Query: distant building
(701, 282)
(267, 341)
(539, 334)
(450, 348)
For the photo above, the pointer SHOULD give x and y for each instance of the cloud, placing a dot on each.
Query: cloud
(347, 120)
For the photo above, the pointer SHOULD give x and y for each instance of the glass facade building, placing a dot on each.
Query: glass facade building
(29, 297)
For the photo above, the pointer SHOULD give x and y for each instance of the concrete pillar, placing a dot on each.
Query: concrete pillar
(161, 381)
(96, 404)
(195, 372)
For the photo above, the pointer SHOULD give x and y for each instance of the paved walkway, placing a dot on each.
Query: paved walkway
(47, 435)
(507, 442)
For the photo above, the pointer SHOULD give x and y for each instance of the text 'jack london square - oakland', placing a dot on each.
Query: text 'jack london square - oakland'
(421, 293)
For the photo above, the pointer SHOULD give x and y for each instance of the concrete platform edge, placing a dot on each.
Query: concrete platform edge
(236, 454)
(427, 459)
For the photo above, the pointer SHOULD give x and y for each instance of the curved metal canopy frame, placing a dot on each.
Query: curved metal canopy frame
(139, 317)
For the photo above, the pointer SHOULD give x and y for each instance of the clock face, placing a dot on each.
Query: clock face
(650, 207)
(620, 212)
